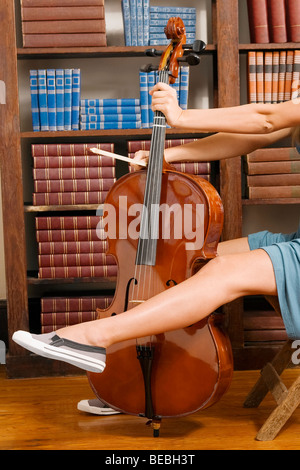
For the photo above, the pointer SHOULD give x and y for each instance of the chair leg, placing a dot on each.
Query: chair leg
(260, 389)
(281, 414)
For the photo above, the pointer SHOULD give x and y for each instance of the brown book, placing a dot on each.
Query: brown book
(281, 78)
(74, 173)
(63, 149)
(62, 13)
(65, 40)
(273, 192)
(82, 259)
(79, 161)
(275, 76)
(252, 94)
(268, 64)
(288, 75)
(73, 198)
(274, 180)
(258, 21)
(80, 235)
(63, 26)
(53, 248)
(273, 154)
(60, 186)
(61, 3)
(67, 222)
(135, 145)
(277, 21)
(77, 271)
(74, 304)
(296, 76)
(271, 168)
(293, 20)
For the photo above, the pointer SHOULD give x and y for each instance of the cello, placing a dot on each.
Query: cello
(178, 372)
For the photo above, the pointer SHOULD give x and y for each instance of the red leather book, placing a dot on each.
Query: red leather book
(61, 3)
(72, 161)
(62, 13)
(81, 235)
(53, 248)
(67, 222)
(277, 21)
(135, 145)
(65, 40)
(273, 192)
(293, 20)
(82, 259)
(57, 150)
(258, 21)
(60, 186)
(74, 304)
(74, 198)
(74, 173)
(273, 154)
(77, 271)
(63, 26)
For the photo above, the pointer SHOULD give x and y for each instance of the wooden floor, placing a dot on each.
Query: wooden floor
(42, 414)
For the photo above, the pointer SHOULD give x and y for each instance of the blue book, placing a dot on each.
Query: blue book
(110, 109)
(140, 22)
(160, 29)
(151, 83)
(75, 99)
(51, 99)
(109, 117)
(42, 89)
(162, 22)
(133, 18)
(184, 86)
(146, 6)
(126, 22)
(109, 125)
(110, 102)
(68, 100)
(59, 82)
(166, 16)
(163, 36)
(144, 99)
(35, 112)
(172, 10)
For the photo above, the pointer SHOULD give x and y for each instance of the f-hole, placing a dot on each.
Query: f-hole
(171, 283)
(127, 292)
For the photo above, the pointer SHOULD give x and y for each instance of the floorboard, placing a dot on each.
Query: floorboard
(41, 414)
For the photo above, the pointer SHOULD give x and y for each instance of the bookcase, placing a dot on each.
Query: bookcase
(15, 139)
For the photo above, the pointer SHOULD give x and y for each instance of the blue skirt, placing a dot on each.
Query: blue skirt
(284, 251)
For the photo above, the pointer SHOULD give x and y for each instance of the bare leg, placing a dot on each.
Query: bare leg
(222, 280)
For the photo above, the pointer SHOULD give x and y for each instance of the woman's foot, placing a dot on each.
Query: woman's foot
(96, 407)
(50, 345)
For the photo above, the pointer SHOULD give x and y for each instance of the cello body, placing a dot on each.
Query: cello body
(190, 368)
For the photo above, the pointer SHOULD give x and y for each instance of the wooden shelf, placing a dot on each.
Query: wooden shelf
(109, 51)
(268, 46)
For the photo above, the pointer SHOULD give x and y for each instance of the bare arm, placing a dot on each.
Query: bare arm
(245, 119)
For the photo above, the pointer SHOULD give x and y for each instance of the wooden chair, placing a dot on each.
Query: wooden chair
(287, 399)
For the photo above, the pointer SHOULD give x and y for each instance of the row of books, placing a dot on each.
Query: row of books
(110, 114)
(144, 24)
(59, 312)
(55, 96)
(147, 82)
(275, 21)
(66, 229)
(202, 169)
(63, 23)
(273, 76)
(70, 174)
(273, 173)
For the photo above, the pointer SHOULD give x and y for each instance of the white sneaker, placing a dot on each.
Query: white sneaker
(96, 407)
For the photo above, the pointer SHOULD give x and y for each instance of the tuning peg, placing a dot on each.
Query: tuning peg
(192, 59)
(148, 68)
(153, 52)
(197, 46)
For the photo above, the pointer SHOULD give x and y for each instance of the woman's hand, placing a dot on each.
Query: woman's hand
(164, 99)
(140, 156)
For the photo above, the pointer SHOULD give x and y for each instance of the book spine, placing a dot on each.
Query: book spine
(146, 12)
(173, 10)
(282, 72)
(110, 110)
(260, 77)
(51, 97)
(66, 222)
(54, 248)
(62, 13)
(184, 87)
(34, 100)
(288, 75)
(268, 63)
(275, 76)
(151, 83)
(140, 22)
(68, 99)
(274, 180)
(74, 173)
(77, 259)
(133, 19)
(126, 22)
(293, 16)
(252, 95)
(74, 304)
(72, 161)
(295, 90)
(111, 103)
(135, 145)
(59, 82)
(63, 27)
(61, 3)
(270, 154)
(110, 125)
(76, 85)
(110, 117)
(83, 185)
(271, 192)
(43, 106)
(144, 99)
(258, 21)
(65, 40)
(277, 21)
(264, 168)
(78, 235)
(161, 19)
(77, 271)
(73, 198)
(52, 150)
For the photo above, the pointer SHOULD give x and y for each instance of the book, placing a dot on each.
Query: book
(71, 149)
(74, 173)
(126, 21)
(51, 99)
(69, 198)
(60, 101)
(76, 84)
(110, 114)
(70, 235)
(42, 98)
(63, 26)
(64, 40)
(60, 3)
(73, 185)
(268, 66)
(267, 168)
(77, 271)
(289, 179)
(293, 20)
(42, 13)
(273, 192)
(258, 21)
(70, 247)
(66, 222)
(110, 110)
(277, 20)
(275, 76)
(109, 102)
(110, 125)
(69, 161)
(68, 99)
(76, 259)
(109, 117)
(35, 112)
(273, 154)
